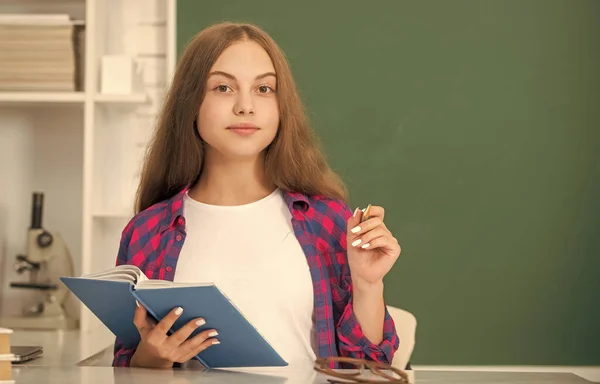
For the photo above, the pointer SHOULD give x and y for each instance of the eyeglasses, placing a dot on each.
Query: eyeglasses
(376, 369)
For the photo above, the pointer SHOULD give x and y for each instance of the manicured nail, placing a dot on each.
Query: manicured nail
(356, 242)
(200, 322)
(213, 334)
(178, 311)
(216, 342)
(355, 212)
(364, 246)
(355, 229)
(137, 303)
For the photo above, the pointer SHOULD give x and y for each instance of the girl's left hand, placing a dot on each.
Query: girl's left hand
(372, 249)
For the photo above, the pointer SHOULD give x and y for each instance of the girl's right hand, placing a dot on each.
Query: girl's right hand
(159, 350)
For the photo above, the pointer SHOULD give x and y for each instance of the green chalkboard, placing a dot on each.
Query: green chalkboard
(476, 124)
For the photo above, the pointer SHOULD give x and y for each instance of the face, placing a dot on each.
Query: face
(239, 115)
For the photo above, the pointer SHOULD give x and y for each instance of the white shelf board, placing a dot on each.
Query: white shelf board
(112, 215)
(14, 97)
(134, 98)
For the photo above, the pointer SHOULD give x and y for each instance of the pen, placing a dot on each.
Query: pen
(366, 213)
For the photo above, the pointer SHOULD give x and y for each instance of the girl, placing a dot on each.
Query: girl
(235, 190)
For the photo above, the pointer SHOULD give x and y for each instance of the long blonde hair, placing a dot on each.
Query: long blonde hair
(293, 161)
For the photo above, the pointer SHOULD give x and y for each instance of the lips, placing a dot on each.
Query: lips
(243, 126)
(243, 129)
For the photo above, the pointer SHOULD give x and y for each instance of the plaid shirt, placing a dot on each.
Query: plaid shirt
(153, 239)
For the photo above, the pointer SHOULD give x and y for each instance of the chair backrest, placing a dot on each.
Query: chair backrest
(406, 327)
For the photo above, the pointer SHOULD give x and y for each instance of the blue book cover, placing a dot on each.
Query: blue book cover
(111, 296)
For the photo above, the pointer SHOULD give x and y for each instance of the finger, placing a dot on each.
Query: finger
(177, 338)
(376, 211)
(193, 343)
(198, 343)
(388, 244)
(365, 226)
(139, 320)
(199, 348)
(355, 219)
(151, 322)
(370, 236)
(167, 322)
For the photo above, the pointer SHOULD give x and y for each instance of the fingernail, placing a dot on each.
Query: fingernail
(356, 242)
(213, 334)
(355, 212)
(178, 311)
(137, 303)
(355, 229)
(365, 246)
(200, 322)
(216, 342)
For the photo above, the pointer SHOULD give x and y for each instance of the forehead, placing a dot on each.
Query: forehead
(244, 58)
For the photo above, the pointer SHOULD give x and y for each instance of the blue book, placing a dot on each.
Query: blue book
(111, 295)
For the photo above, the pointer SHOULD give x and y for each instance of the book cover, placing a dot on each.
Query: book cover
(111, 296)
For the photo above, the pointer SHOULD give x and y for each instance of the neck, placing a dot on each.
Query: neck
(231, 182)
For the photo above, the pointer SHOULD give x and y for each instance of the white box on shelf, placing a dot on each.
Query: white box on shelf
(117, 75)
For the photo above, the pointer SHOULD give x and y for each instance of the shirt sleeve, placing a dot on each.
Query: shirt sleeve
(122, 355)
(352, 342)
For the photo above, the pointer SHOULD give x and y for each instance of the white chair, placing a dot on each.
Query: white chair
(406, 327)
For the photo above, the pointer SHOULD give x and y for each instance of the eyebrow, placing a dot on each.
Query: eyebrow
(231, 77)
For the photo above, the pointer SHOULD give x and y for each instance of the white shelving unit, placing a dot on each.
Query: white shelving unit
(11, 98)
(82, 149)
(136, 98)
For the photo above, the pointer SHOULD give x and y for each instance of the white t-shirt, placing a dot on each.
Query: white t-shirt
(250, 251)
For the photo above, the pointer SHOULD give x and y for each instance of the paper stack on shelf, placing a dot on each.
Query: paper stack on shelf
(5, 357)
(41, 52)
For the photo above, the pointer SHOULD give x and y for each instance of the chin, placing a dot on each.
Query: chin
(243, 153)
(245, 149)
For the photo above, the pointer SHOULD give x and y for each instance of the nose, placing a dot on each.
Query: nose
(244, 105)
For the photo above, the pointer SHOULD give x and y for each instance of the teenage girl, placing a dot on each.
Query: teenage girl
(235, 190)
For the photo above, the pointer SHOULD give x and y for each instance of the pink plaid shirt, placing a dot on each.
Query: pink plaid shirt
(153, 239)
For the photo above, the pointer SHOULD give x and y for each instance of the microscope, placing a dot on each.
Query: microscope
(47, 259)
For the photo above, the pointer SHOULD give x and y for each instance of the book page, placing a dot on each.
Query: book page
(159, 284)
(125, 273)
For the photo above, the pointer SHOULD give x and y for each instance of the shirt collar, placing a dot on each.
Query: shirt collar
(174, 209)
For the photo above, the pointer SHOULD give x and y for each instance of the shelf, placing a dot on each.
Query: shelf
(112, 215)
(134, 98)
(14, 97)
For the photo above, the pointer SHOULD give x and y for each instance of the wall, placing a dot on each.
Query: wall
(475, 124)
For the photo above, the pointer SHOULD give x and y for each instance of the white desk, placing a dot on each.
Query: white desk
(106, 375)
(63, 348)
(69, 358)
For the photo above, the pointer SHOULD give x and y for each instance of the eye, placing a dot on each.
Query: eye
(265, 89)
(222, 88)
